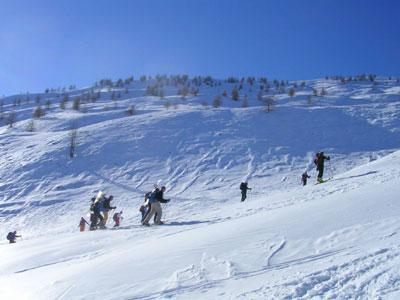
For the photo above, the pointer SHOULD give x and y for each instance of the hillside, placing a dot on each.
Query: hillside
(334, 240)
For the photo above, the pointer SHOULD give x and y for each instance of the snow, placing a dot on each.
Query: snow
(334, 240)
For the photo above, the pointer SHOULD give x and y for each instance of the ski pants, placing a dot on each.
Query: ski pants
(244, 195)
(98, 217)
(320, 172)
(155, 209)
(105, 217)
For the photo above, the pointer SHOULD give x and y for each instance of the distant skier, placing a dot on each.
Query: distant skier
(117, 217)
(107, 207)
(155, 198)
(319, 162)
(97, 208)
(244, 188)
(160, 198)
(82, 224)
(304, 178)
(93, 218)
(12, 237)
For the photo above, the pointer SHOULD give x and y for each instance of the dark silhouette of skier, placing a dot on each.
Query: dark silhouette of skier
(319, 161)
(244, 188)
(304, 178)
(12, 237)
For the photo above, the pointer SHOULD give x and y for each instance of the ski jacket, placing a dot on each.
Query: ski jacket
(244, 187)
(106, 204)
(160, 197)
(11, 236)
(319, 160)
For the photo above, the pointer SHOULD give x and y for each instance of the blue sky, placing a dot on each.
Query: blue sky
(57, 43)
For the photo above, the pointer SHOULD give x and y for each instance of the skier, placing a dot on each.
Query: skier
(304, 178)
(319, 162)
(12, 237)
(117, 217)
(145, 207)
(82, 224)
(107, 207)
(160, 198)
(156, 197)
(244, 188)
(97, 208)
(93, 218)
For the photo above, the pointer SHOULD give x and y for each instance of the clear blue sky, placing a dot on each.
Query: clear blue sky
(56, 43)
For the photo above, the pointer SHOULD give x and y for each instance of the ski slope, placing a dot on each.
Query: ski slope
(334, 240)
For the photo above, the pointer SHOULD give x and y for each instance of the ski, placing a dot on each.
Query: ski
(330, 178)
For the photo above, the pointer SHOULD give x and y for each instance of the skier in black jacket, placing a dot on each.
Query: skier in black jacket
(244, 188)
(12, 236)
(160, 198)
(319, 161)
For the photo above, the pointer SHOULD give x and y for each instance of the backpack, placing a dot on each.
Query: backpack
(10, 236)
(152, 197)
(316, 158)
(242, 186)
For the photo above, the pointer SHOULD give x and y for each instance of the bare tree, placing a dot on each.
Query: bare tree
(11, 119)
(72, 140)
(269, 104)
(38, 112)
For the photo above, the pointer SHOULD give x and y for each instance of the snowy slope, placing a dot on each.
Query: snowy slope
(335, 240)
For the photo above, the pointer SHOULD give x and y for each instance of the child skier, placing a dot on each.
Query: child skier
(145, 207)
(304, 178)
(117, 217)
(82, 224)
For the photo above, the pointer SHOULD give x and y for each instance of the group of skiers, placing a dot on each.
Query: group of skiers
(319, 161)
(100, 206)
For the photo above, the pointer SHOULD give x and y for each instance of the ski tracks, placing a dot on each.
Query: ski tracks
(368, 276)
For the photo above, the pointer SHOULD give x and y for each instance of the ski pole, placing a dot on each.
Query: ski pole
(165, 210)
(330, 169)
